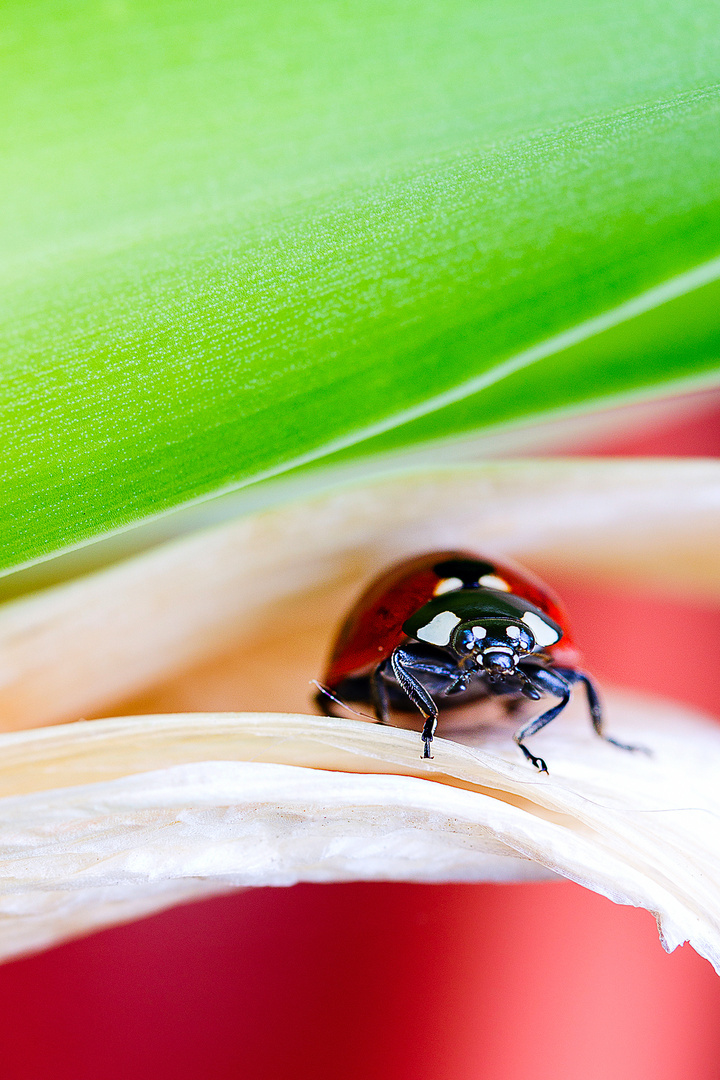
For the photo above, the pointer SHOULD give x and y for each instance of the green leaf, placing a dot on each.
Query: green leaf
(240, 238)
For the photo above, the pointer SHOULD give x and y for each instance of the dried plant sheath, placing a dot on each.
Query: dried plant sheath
(105, 821)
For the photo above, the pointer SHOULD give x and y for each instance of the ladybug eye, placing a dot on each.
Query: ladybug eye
(466, 640)
(520, 638)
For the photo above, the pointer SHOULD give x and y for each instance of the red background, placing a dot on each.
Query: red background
(406, 982)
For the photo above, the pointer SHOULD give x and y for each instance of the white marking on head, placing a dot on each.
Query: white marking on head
(439, 629)
(543, 632)
(448, 584)
(479, 632)
(492, 581)
(512, 631)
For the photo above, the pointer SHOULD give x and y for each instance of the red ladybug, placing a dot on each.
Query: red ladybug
(450, 627)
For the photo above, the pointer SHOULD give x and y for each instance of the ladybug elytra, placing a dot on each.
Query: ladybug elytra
(451, 627)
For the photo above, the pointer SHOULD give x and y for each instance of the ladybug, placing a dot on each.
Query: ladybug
(451, 627)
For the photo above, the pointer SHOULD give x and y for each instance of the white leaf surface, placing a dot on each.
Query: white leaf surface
(103, 821)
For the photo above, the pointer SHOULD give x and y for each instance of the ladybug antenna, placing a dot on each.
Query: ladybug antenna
(326, 692)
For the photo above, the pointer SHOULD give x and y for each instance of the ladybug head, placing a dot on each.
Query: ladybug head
(489, 631)
(495, 646)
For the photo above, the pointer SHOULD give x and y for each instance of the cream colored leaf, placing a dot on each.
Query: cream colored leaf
(107, 820)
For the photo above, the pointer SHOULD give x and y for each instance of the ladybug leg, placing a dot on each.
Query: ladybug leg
(379, 694)
(325, 699)
(417, 694)
(324, 703)
(595, 707)
(550, 682)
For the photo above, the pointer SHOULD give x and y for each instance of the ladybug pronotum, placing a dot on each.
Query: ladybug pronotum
(451, 627)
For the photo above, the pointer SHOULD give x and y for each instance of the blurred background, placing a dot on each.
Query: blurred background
(408, 982)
